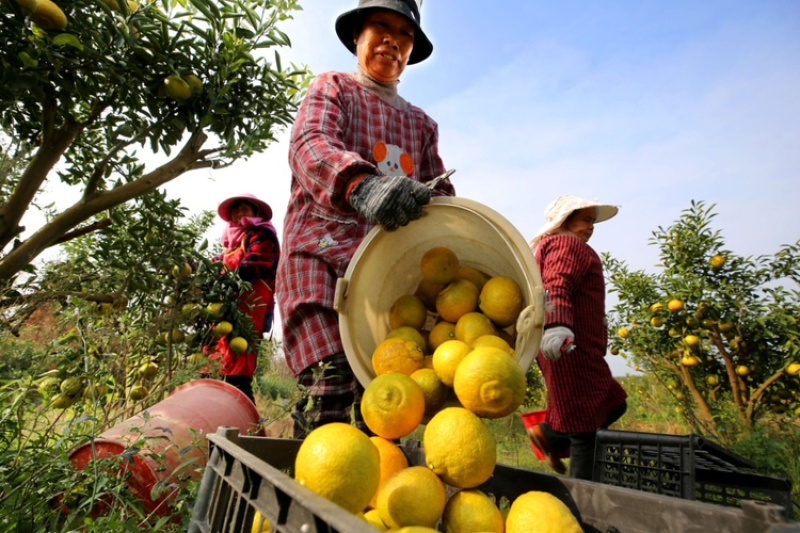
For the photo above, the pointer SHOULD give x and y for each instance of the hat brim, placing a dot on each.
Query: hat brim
(604, 212)
(224, 209)
(345, 30)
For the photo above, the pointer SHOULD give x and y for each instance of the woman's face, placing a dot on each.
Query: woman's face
(241, 210)
(581, 223)
(384, 45)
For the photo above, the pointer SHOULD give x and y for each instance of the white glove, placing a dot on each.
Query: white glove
(553, 340)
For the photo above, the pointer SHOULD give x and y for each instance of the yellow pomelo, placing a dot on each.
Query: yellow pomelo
(434, 391)
(441, 332)
(540, 512)
(238, 345)
(439, 265)
(373, 518)
(393, 460)
(472, 274)
(415, 529)
(410, 334)
(447, 357)
(396, 355)
(490, 383)
(407, 310)
(48, 16)
(457, 299)
(459, 448)
(427, 291)
(473, 325)
(472, 511)
(176, 88)
(412, 497)
(501, 300)
(339, 462)
(222, 328)
(261, 524)
(493, 341)
(393, 405)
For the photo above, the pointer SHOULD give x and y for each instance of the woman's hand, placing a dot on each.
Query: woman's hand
(391, 201)
(554, 339)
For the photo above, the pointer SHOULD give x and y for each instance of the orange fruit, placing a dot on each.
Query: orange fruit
(433, 390)
(393, 460)
(339, 462)
(441, 332)
(427, 291)
(456, 300)
(490, 383)
(410, 334)
(447, 357)
(501, 299)
(407, 310)
(397, 355)
(472, 274)
(459, 448)
(412, 497)
(675, 306)
(439, 265)
(473, 325)
(393, 405)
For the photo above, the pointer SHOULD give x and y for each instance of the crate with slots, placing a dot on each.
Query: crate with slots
(248, 474)
(689, 467)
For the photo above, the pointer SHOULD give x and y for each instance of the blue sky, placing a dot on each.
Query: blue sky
(643, 104)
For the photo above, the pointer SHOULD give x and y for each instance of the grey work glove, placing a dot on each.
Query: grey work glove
(554, 340)
(391, 201)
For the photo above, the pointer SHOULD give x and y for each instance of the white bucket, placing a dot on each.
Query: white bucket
(387, 265)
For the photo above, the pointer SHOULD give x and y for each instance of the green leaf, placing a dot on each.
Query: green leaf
(67, 39)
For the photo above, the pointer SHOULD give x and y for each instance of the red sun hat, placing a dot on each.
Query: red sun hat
(264, 210)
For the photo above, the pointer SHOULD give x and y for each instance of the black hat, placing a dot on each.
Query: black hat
(345, 24)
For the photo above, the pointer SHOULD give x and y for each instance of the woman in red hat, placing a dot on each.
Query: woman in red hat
(251, 249)
(360, 156)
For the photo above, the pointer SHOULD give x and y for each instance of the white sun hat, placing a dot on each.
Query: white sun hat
(561, 208)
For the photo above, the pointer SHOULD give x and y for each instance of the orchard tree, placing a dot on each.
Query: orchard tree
(719, 330)
(88, 87)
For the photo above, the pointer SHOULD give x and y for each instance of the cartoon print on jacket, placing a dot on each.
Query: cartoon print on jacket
(392, 160)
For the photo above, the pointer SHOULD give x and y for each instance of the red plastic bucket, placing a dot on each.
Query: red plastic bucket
(171, 434)
(532, 419)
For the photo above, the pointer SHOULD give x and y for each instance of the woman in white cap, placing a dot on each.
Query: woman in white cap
(583, 396)
(250, 248)
(360, 156)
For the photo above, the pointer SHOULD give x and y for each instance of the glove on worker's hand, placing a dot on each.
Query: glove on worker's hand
(553, 339)
(391, 201)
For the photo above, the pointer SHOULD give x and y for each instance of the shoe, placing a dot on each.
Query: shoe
(540, 441)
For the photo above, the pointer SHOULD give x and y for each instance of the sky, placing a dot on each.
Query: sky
(645, 104)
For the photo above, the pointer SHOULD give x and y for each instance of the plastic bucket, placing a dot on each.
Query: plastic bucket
(387, 265)
(170, 434)
(532, 419)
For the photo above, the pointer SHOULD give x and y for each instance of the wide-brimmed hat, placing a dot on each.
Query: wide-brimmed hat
(562, 207)
(224, 209)
(346, 24)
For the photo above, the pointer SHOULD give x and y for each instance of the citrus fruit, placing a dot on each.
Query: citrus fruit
(717, 262)
(441, 332)
(393, 460)
(62, 401)
(392, 405)
(177, 336)
(675, 305)
(457, 299)
(439, 265)
(176, 88)
(793, 369)
(493, 341)
(472, 511)
(742, 370)
(407, 310)
(223, 328)
(50, 384)
(373, 518)
(540, 512)
(656, 307)
(138, 392)
(427, 291)
(459, 448)
(195, 83)
(624, 333)
(472, 274)
(214, 310)
(71, 386)
(473, 325)
(414, 496)
(396, 355)
(410, 334)
(238, 345)
(148, 370)
(656, 322)
(260, 524)
(490, 383)
(48, 16)
(433, 390)
(339, 462)
(501, 300)
(447, 357)
(691, 340)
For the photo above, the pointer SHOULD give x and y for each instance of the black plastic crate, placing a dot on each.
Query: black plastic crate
(248, 474)
(688, 467)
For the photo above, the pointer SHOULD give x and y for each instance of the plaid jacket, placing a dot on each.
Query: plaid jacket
(339, 126)
(581, 390)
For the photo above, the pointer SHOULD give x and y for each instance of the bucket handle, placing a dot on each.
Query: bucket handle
(340, 295)
(532, 317)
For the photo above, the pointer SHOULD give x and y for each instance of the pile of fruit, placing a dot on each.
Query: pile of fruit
(450, 340)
